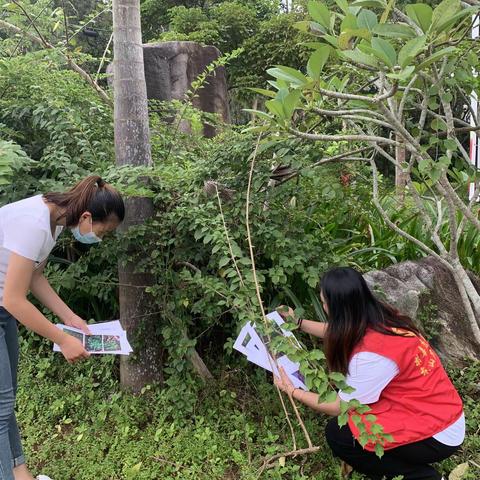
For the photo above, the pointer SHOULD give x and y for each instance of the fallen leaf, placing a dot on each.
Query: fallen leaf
(458, 472)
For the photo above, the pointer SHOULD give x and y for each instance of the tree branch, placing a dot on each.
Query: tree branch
(408, 21)
(340, 138)
(449, 191)
(353, 111)
(395, 227)
(362, 98)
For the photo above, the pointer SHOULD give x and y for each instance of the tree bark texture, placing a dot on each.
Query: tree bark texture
(132, 147)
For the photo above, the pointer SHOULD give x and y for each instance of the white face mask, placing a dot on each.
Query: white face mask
(87, 238)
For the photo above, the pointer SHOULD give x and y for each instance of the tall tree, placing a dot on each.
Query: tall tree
(416, 63)
(132, 147)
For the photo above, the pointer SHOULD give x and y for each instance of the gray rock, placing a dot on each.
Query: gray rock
(425, 291)
(170, 69)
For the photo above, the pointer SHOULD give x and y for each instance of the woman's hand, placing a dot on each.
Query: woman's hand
(286, 313)
(72, 349)
(77, 322)
(283, 382)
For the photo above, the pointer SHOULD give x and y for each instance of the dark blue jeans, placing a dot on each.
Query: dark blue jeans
(11, 453)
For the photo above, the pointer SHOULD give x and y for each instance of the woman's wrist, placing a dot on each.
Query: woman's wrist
(299, 323)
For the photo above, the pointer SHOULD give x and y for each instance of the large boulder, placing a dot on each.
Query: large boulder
(170, 69)
(426, 291)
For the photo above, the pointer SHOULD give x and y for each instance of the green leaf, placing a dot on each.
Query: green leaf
(439, 55)
(363, 409)
(410, 50)
(259, 113)
(445, 11)
(384, 51)
(356, 419)
(421, 14)
(344, 407)
(337, 377)
(263, 91)
(376, 428)
(303, 26)
(342, 419)
(369, 3)
(331, 397)
(450, 144)
(423, 165)
(447, 97)
(275, 107)
(360, 57)
(316, 28)
(367, 19)
(349, 23)
(403, 75)
(331, 40)
(394, 30)
(363, 439)
(347, 35)
(316, 354)
(317, 61)
(320, 13)
(444, 160)
(379, 450)
(290, 103)
(435, 174)
(343, 4)
(455, 19)
(288, 74)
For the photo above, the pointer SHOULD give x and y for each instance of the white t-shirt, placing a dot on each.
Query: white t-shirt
(369, 373)
(25, 229)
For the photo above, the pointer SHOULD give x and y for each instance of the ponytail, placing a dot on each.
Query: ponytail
(92, 195)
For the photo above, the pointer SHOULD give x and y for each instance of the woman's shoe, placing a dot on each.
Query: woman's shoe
(43, 477)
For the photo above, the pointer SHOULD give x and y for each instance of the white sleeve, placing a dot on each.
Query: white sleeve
(368, 373)
(24, 236)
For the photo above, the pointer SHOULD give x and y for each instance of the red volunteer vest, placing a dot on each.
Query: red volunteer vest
(420, 401)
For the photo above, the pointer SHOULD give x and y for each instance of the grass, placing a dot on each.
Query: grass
(78, 425)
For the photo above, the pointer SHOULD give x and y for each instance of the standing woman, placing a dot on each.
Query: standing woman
(394, 370)
(29, 230)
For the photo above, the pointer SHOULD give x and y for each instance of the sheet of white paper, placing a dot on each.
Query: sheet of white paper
(105, 339)
(106, 327)
(292, 369)
(250, 344)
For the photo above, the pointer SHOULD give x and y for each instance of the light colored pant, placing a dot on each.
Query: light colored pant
(11, 453)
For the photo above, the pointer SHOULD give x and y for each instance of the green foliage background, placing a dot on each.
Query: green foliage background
(54, 130)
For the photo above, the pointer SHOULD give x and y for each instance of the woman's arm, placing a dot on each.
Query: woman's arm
(317, 329)
(45, 294)
(309, 399)
(17, 282)
(314, 328)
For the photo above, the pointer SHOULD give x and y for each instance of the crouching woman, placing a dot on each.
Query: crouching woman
(394, 371)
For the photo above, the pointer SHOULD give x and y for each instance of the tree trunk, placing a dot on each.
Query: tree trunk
(132, 147)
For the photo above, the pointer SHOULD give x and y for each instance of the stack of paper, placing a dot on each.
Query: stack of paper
(106, 337)
(255, 348)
